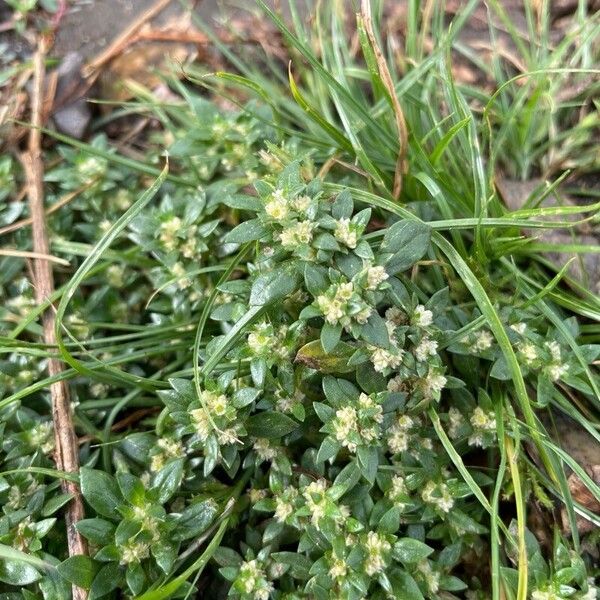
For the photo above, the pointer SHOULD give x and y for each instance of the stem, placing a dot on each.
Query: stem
(66, 454)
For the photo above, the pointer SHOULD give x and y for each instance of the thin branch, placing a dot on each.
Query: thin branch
(66, 453)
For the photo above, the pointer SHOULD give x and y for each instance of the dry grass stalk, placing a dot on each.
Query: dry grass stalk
(66, 453)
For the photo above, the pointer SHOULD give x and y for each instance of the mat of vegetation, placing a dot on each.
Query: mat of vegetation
(310, 352)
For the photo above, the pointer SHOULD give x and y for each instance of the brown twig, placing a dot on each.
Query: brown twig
(66, 453)
(386, 78)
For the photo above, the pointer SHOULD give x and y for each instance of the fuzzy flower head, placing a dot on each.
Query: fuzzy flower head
(338, 304)
(483, 341)
(557, 368)
(425, 348)
(134, 552)
(484, 427)
(375, 277)
(432, 384)
(301, 233)
(252, 579)
(383, 359)
(262, 339)
(438, 495)
(346, 233)
(421, 317)
(377, 550)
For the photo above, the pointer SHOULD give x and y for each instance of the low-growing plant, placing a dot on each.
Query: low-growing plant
(287, 381)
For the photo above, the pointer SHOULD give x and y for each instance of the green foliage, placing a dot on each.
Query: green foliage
(282, 379)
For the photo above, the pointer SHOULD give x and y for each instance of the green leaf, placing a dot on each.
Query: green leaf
(108, 578)
(404, 586)
(270, 424)
(408, 242)
(244, 396)
(330, 337)
(390, 521)
(409, 550)
(375, 332)
(324, 412)
(274, 285)
(55, 503)
(18, 573)
(368, 461)
(500, 370)
(248, 231)
(101, 492)
(168, 479)
(299, 564)
(195, 520)
(328, 449)
(79, 570)
(97, 531)
(315, 279)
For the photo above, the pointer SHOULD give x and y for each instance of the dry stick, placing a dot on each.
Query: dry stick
(66, 453)
(386, 78)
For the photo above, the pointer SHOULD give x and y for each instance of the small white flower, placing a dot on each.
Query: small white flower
(264, 450)
(345, 233)
(228, 437)
(201, 423)
(332, 309)
(375, 277)
(256, 495)
(483, 341)
(338, 568)
(301, 203)
(397, 439)
(283, 509)
(427, 347)
(300, 233)
(455, 422)
(433, 383)
(397, 490)
(438, 495)
(383, 359)
(519, 328)
(554, 349)
(134, 552)
(363, 316)
(422, 317)
(277, 207)
(396, 384)
(432, 578)
(557, 371)
(183, 281)
(168, 232)
(528, 352)
(114, 276)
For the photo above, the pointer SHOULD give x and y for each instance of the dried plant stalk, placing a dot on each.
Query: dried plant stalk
(66, 454)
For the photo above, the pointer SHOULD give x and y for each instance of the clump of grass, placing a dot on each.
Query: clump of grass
(289, 380)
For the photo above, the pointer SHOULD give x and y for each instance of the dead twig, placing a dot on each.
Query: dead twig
(386, 78)
(66, 453)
